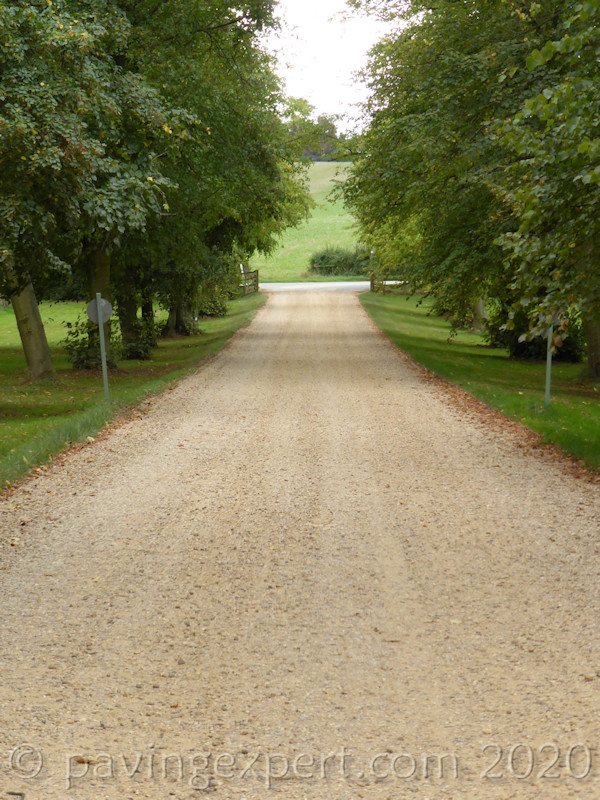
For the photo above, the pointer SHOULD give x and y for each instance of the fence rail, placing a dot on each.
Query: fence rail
(384, 285)
(249, 281)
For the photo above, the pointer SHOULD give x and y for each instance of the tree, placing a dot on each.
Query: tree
(44, 153)
(423, 187)
(65, 176)
(238, 175)
(553, 183)
(149, 181)
(317, 134)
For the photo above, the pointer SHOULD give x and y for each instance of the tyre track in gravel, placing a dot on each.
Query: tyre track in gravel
(302, 551)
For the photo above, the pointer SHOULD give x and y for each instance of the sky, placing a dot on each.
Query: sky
(318, 54)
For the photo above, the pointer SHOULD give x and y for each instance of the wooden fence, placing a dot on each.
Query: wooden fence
(249, 281)
(385, 285)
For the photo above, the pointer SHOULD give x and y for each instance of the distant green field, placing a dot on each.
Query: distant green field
(329, 224)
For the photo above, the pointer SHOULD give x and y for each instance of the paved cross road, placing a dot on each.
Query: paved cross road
(317, 286)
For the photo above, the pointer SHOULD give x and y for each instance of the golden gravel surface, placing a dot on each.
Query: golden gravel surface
(306, 573)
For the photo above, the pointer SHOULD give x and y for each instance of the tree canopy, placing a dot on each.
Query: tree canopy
(477, 174)
(142, 148)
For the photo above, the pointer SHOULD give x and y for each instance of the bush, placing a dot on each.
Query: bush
(221, 282)
(572, 350)
(139, 342)
(339, 261)
(82, 346)
(213, 300)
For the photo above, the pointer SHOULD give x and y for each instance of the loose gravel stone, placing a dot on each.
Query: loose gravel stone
(305, 573)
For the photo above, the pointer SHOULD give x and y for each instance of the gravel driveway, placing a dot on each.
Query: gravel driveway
(305, 573)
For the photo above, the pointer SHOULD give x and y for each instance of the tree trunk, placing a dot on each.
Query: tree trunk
(31, 328)
(181, 321)
(130, 325)
(169, 329)
(591, 330)
(480, 316)
(148, 318)
(33, 335)
(98, 271)
(98, 275)
(147, 310)
(185, 322)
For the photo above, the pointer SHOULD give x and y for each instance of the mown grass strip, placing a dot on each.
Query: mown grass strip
(516, 388)
(38, 421)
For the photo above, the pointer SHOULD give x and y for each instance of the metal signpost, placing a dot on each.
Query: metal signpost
(100, 311)
(549, 363)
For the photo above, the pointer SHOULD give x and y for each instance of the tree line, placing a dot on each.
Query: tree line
(478, 177)
(145, 151)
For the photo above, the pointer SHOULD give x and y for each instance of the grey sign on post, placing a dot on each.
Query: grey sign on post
(92, 311)
(101, 309)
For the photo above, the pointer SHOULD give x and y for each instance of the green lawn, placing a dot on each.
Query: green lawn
(38, 421)
(516, 388)
(329, 224)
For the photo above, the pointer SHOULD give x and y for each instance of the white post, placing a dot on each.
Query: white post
(102, 346)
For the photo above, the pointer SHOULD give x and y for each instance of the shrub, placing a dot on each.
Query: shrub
(340, 261)
(82, 346)
(220, 284)
(139, 342)
(212, 300)
(572, 349)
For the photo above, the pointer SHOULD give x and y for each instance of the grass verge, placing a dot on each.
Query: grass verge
(572, 421)
(39, 421)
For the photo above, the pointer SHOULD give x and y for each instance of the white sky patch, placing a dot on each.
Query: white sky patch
(318, 53)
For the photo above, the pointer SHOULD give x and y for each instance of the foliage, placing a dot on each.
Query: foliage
(82, 346)
(421, 185)
(139, 346)
(340, 261)
(316, 134)
(62, 286)
(239, 179)
(122, 173)
(553, 182)
(409, 182)
(73, 158)
(483, 130)
(569, 344)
